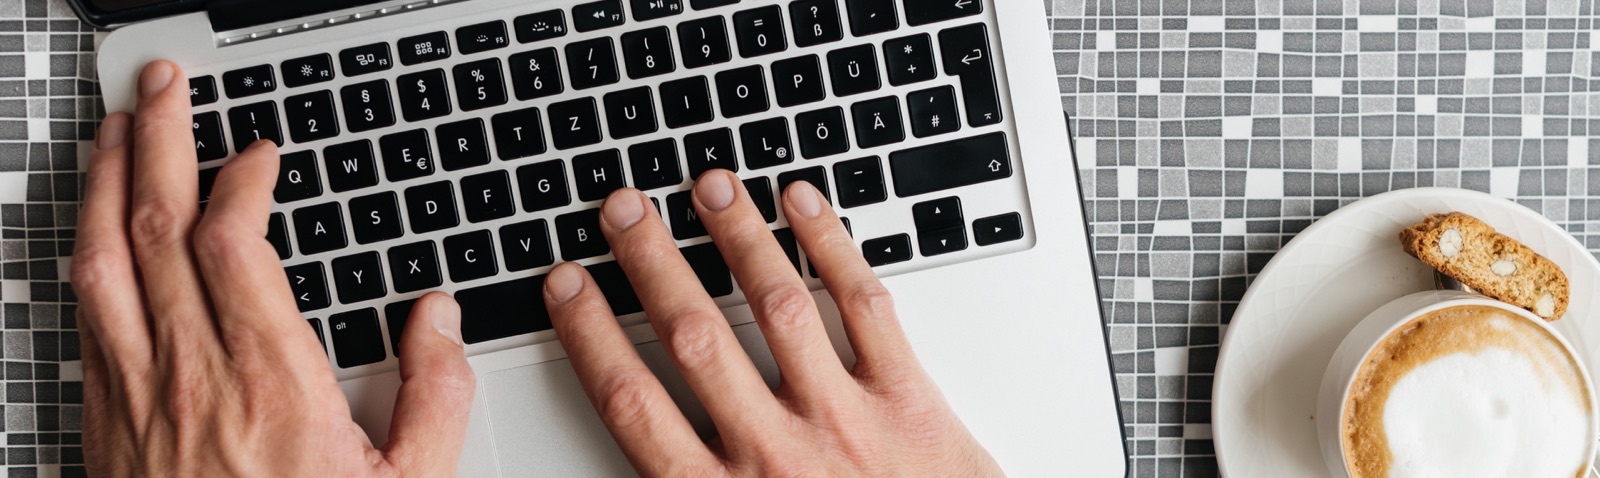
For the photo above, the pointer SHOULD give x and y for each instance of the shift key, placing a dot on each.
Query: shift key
(950, 165)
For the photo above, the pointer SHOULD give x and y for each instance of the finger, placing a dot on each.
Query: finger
(430, 414)
(165, 208)
(866, 307)
(103, 275)
(642, 418)
(781, 301)
(96, 378)
(690, 325)
(256, 314)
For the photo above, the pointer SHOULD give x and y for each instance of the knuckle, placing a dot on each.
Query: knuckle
(158, 224)
(786, 308)
(870, 299)
(220, 241)
(93, 266)
(694, 339)
(624, 400)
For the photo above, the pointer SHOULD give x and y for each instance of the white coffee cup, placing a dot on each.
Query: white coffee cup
(1371, 332)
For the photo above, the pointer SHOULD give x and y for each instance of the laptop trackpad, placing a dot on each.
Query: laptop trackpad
(542, 422)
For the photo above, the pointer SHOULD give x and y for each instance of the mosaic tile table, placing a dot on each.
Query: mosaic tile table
(1209, 132)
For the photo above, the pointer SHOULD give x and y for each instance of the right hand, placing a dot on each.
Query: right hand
(882, 417)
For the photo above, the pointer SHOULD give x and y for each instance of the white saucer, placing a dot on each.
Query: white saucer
(1319, 286)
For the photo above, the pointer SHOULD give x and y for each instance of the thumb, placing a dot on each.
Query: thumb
(430, 414)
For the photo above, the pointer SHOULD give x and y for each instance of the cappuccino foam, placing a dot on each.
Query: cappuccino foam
(1468, 391)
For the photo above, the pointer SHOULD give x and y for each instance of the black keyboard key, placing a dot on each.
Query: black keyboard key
(592, 63)
(480, 84)
(278, 235)
(376, 218)
(909, 59)
(351, 166)
(742, 91)
(598, 174)
(708, 150)
(951, 164)
(877, 122)
(431, 207)
(854, 70)
(822, 132)
(501, 310)
(470, 256)
(798, 81)
(655, 164)
(760, 190)
(367, 106)
(406, 155)
(423, 95)
(704, 4)
(396, 314)
(932, 11)
(652, 9)
(202, 90)
(536, 74)
(250, 81)
(526, 245)
(208, 179)
(365, 59)
(790, 248)
(309, 284)
(580, 236)
(860, 182)
(423, 48)
(308, 70)
(630, 112)
(414, 267)
(709, 267)
(871, 16)
(997, 229)
(965, 49)
(816, 175)
(311, 116)
(357, 340)
(298, 178)
(482, 37)
(209, 144)
(981, 97)
(766, 143)
(703, 42)
(760, 31)
(615, 287)
(543, 185)
(518, 134)
(574, 123)
(933, 111)
(815, 22)
(254, 122)
(942, 213)
(359, 277)
(681, 214)
(487, 196)
(319, 229)
(316, 326)
(540, 26)
(941, 241)
(686, 102)
(887, 250)
(597, 15)
(648, 52)
(462, 144)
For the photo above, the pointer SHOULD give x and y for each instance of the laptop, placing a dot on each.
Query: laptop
(466, 145)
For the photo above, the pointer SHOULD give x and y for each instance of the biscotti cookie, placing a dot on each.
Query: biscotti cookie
(1465, 248)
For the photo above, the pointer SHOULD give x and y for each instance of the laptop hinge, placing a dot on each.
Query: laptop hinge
(229, 15)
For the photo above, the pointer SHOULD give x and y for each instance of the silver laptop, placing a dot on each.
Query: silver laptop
(465, 146)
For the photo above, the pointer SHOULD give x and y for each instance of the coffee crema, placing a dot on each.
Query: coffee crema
(1468, 391)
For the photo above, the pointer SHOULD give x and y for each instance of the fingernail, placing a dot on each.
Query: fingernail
(623, 210)
(446, 317)
(113, 132)
(563, 283)
(715, 190)
(155, 79)
(805, 198)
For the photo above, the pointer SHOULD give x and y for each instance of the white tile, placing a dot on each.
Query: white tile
(36, 64)
(1269, 42)
(1144, 289)
(1149, 86)
(1532, 126)
(1327, 87)
(1105, 40)
(72, 371)
(1128, 182)
(1379, 23)
(13, 187)
(14, 291)
(1173, 228)
(1533, 62)
(1503, 182)
(1263, 183)
(1172, 361)
(38, 129)
(1236, 127)
(1205, 24)
(1349, 155)
(1480, 64)
(1427, 105)
(1578, 154)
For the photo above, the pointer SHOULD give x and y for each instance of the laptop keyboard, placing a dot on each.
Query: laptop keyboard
(472, 158)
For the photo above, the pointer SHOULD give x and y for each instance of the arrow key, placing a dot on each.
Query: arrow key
(887, 250)
(997, 229)
(309, 284)
(941, 241)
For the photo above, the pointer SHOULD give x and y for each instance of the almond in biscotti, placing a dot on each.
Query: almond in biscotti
(1465, 248)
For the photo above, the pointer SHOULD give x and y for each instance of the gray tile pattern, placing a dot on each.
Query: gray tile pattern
(1209, 132)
